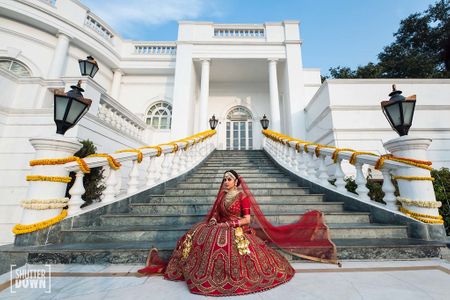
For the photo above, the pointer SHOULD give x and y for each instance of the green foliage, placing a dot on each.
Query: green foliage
(420, 50)
(92, 180)
(442, 191)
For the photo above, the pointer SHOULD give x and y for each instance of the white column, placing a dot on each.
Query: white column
(115, 87)
(59, 56)
(274, 102)
(204, 94)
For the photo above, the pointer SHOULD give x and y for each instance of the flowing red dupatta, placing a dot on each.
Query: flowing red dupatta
(307, 238)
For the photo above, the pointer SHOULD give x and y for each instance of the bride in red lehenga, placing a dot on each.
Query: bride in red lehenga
(227, 254)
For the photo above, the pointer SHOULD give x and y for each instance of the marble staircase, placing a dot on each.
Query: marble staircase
(160, 219)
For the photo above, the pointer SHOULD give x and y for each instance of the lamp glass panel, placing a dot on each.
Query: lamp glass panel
(408, 111)
(76, 109)
(60, 107)
(394, 113)
(89, 68)
(83, 67)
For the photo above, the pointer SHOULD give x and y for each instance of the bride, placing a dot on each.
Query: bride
(228, 253)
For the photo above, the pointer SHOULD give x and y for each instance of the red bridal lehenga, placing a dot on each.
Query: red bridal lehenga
(217, 260)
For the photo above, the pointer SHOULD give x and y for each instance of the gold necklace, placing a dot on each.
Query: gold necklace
(230, 196)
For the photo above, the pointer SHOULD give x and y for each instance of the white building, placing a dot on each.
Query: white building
(150, 92)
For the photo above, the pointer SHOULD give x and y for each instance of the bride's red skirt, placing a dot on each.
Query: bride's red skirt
(214, 267)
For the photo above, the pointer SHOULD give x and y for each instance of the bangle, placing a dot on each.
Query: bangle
(239, 223)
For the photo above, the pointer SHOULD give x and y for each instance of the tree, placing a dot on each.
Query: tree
(420, 50)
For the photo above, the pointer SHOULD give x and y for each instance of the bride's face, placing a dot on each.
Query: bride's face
(229, 182)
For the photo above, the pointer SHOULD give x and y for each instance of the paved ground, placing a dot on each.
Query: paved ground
(425, 279)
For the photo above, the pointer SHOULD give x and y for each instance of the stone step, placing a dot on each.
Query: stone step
(256, 192)
(171, 233)
(203, 208)
(137, 252)
(264, 199)
(253, 171)
(241, 164)
(247, 175)
(251, 185)
(249, 180)
(190, 219)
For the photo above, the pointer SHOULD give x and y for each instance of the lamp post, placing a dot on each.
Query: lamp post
(69, 108)
(88, 66)
(399, 111)
(213, 122)
(264, 122)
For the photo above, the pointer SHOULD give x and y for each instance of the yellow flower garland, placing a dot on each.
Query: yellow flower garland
(413, 178)
(334, 157)
(356, 153)
(423, 217)
(113, 163)
(63, 179)
(409, 161)
(419, 203)
(21, 229)
(140, 156)
(60, 161)
(158, 149)
(317, 150)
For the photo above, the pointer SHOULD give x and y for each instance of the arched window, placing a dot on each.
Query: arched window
(159, 116)
(14, 66)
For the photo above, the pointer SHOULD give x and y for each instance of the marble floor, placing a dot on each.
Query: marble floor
(424, 279)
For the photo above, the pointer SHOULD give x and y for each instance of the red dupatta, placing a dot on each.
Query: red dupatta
(308, 238)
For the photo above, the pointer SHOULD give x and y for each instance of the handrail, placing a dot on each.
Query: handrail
(161, 163)
(323, 163)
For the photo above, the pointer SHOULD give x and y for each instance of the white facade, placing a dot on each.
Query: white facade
(238, 72)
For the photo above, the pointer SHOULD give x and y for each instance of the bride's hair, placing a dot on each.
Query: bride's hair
(235, 174)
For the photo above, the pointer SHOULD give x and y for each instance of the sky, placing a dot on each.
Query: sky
(334, 32)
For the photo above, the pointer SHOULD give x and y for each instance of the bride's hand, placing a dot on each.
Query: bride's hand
(212, 222)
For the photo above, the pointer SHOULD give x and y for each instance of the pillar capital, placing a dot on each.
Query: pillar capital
(118, 71)
(64, 34)
(272, 60)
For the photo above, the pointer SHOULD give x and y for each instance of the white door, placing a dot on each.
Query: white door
(239, 129)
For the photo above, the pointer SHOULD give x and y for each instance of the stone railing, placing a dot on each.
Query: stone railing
(98, 27)
(250, 32)
(156, 49)
(322, 164)
(148, 166)
(117, 116)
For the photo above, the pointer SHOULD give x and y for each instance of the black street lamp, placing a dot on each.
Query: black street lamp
(69, 108)
(88, 66)
(213, 122)
(264, 122)
(399, 111)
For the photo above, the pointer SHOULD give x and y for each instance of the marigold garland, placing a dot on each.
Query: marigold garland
(113, 163)
(317, 150)
(158, 149)
(423, 217)
(409, 161)
(60, 161)
(410, 178)
(420, 203)
(356, 153)
(63, 179)
(334, 157)
(21, 229)
(140, 156)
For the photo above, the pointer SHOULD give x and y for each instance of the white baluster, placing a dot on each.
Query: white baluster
(293, 159)
(322, 171)
(361, 181)
(76, 192)
(388, 188)
(118, 182)
(302, 160)
(339, 175)
(133, 181)
(311, 167)
(110, 191)
(175, 163)
(151, 171)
